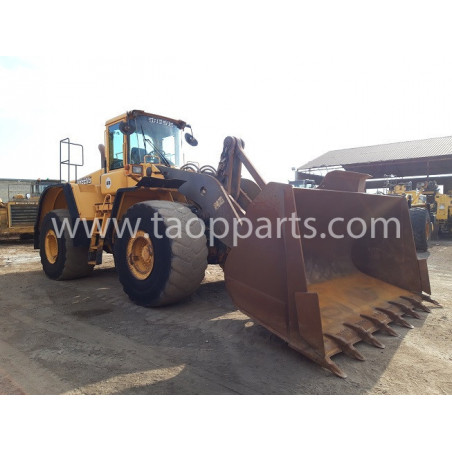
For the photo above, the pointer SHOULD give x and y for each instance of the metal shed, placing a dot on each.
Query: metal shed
(429, 158)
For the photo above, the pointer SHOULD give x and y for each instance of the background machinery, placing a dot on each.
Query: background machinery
(422, 212)
(18, 212)
(443, 204)
(321, 289)
(430, 210)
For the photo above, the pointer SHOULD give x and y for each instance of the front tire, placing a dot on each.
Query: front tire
(420, 221)
(155, 269)
(60, 259)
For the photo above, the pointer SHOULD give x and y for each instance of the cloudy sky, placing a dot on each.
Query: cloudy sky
(293, 81)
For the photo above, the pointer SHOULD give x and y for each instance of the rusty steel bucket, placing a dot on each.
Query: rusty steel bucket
(324, 294)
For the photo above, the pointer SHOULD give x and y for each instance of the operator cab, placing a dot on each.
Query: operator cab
(144, 138)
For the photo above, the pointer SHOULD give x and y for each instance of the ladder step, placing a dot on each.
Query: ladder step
(96, 247)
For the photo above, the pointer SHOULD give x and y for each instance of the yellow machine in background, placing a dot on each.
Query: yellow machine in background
(416, 198)
(427, 205)
(444, 212)
(18, 213)
(422, 216)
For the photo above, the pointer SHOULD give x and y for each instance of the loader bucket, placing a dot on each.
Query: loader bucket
(325, 293)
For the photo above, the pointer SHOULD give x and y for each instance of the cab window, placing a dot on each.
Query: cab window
(115, 146)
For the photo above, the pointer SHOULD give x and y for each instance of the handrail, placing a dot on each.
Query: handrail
(68, 160)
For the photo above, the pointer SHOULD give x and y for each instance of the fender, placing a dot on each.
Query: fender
(58, 196)
(125, 197)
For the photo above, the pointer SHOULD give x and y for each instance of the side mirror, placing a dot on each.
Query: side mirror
(127, 128)
(189, 138)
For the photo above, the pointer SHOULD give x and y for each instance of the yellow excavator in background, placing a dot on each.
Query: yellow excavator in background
(322, 283)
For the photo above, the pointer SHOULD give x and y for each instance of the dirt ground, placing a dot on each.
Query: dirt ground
(86, 337)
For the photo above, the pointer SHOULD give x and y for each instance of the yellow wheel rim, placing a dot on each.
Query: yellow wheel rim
(51, 246)
(140, 255)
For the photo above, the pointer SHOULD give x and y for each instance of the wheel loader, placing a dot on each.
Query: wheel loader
(308, 273)
(439, 204)
(423, 217)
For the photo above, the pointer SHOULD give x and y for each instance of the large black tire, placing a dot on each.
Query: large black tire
(179, 263)
(67, 261)
(420, 222)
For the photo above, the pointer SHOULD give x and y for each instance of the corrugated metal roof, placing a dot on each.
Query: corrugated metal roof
(431, 147)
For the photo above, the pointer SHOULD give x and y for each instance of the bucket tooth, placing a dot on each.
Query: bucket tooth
(417, 304)
(430, 300)
(406, 310)
(380, 324)
(365, 335)
(395, 317)
(334, 368)
(347, 348)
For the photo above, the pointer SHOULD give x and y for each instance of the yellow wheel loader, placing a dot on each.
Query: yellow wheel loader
(423, 220)
(321, 268)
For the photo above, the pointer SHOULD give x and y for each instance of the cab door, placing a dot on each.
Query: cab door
(115, 178)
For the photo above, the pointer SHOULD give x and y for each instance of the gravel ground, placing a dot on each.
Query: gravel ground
(86, 337)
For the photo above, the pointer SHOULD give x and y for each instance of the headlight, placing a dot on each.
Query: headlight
(137, 169)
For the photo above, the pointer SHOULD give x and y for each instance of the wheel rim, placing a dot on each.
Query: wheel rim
(51, 246)
(140, 255)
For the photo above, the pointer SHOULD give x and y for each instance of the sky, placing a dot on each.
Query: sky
(292, 79)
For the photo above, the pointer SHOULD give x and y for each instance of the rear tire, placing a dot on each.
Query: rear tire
(60, 259)
(154, 269)
(420, 222)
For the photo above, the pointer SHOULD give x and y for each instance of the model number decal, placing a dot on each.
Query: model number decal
(84, 180)
(160, 121)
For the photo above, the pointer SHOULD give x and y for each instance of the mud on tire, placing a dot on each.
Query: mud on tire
(179, 263)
